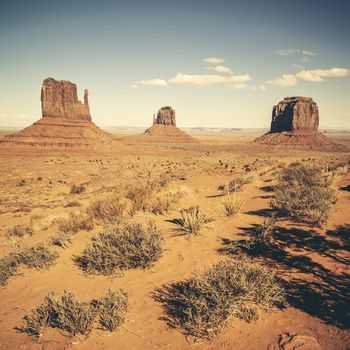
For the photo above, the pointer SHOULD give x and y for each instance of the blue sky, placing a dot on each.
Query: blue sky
(218, 63)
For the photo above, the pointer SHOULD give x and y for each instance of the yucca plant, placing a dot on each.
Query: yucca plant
(232, 204)
(192, 219)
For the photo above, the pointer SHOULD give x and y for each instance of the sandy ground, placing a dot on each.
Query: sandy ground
(314, 262)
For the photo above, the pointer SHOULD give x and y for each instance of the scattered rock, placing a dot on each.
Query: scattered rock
(289, 341)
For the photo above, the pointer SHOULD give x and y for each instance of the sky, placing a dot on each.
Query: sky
(217, 63)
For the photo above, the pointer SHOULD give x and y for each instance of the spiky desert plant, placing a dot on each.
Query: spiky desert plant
(232, 204)
(192, 219)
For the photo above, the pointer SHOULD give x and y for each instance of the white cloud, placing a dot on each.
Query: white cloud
(221, 69)
(134, 86)
(262, 87)
(151, 82)
(208, 79)
(235, 87)
(285, 81)
(213, 60)
(313, 75)
(307, 52)
(318, 75)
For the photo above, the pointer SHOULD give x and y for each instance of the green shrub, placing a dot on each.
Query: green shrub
(124, 246)
(304, 194)
(202, 305)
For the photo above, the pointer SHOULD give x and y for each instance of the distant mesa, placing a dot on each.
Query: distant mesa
(295, 123)
(65, 122)
(164, 129)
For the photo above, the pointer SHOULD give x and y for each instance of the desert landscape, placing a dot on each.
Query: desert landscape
(173, 237)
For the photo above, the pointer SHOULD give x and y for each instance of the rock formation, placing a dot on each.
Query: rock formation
(164, 130)
(295, 113)
(59, 99)
(66, 121)
(295, 123)
(165, 116)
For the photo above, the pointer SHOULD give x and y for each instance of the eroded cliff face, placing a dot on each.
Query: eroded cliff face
(295, 113)
(165, 116)
(59, 99)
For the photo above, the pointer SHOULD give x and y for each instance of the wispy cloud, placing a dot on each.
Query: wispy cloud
(151, 82)
(285, 80)
(208, 79)
(213, 60)
(221, 69)
(289, 52)
(313, 75)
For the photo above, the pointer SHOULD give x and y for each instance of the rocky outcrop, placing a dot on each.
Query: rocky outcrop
(295, 124)
(165, 116)
(66, 122)
(295, 113)
(59, 99)
(295, 342)
(164, 130)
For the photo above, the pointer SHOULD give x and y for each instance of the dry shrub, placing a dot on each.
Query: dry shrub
(261, 240)
(232, 204)
(77, 222)
(74, 316)
(202, 305)
(124, 246)
(112, 308)
(192, 219)
(77, 189)
(304, 194)
(61, 239)
(37, 257)
(109, 209)
(8, 267)
(140, 197)
(20, 231)
(163, 203)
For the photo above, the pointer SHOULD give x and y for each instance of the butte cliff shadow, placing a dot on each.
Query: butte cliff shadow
(310, 286)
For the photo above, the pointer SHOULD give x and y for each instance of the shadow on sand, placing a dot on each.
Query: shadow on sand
(312, 287)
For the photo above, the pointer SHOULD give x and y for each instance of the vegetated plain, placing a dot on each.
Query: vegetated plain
(143, 233)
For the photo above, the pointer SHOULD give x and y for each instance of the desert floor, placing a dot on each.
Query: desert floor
(35, 191)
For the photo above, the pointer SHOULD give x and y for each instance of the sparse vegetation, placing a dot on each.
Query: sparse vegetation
(20, 231)
(77, 189)
(124, 246)
(202, 305)
(74, 316)
(304, 194)
(76, 222)
(232, 204)
(109, 209)
(192, 219)
(140, 197)
(61, 239)
(38, 256)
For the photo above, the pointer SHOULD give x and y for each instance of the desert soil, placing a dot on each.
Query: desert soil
(314, 262)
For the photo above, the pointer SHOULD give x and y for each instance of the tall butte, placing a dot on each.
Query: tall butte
(65, 122)
(295, 123)
(164, 129)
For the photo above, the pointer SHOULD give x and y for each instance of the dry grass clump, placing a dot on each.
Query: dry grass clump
(77, 189)
(74, 316)
(163, 203)
(140, 197)
(77, 222)
(124, 246)
(232, 204)
(20, 231)
(193, 220)
(38, 257)
(202, 305)
(109, 209)
(304, 194)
